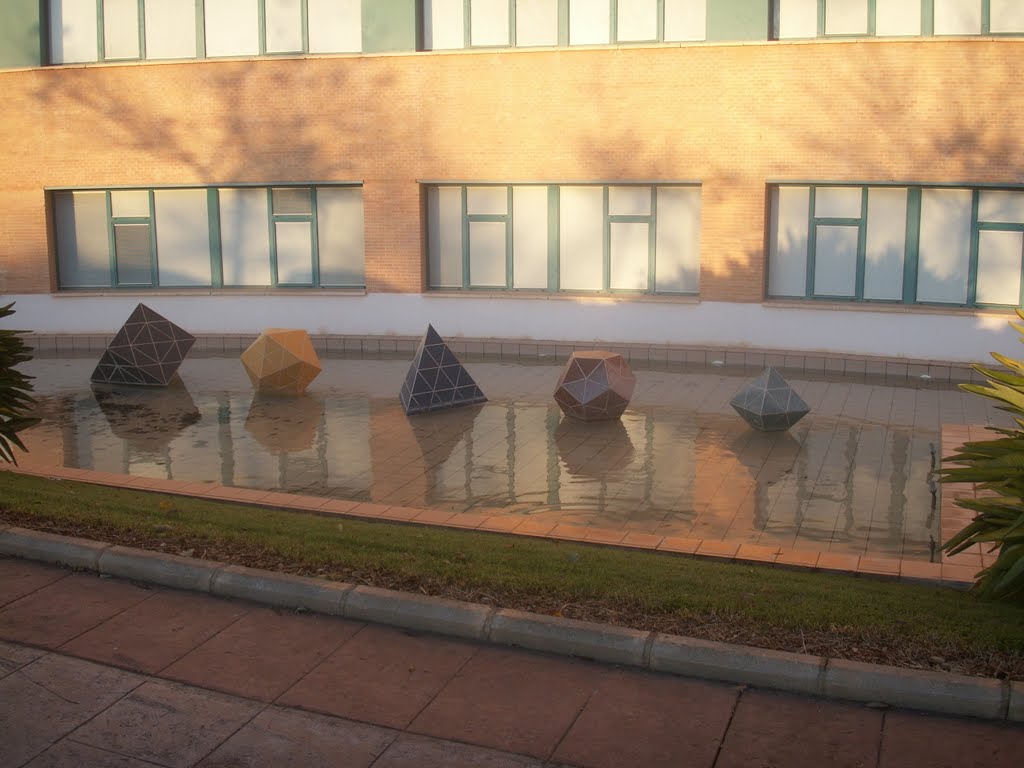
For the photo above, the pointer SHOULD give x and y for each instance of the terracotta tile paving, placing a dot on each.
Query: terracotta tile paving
(679, 544)
(381, 675)
(911, 740)
(263, 654)
(777, 729)
(19, 578)
(56, 613)
(523, 717)
(156, 632)
(639, 719)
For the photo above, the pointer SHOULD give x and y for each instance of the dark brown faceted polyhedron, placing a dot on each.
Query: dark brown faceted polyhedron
(595, 386)
(147, 350)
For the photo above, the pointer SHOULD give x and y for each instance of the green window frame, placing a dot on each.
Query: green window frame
(911, 248)
(283, 216)
(555, 254)
(104, 11)
(927, 21)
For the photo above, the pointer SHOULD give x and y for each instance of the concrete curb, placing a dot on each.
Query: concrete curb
(797, 673)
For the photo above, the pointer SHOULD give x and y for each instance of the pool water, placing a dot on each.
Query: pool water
(854, 476)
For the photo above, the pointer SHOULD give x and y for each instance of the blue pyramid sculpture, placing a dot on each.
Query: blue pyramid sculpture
(769, 404)
(436, 378)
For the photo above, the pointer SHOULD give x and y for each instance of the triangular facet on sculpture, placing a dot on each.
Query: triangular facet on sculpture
(437, 379)
(140, 353)
(769, 404)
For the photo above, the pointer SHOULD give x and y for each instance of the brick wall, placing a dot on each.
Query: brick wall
(731, 116)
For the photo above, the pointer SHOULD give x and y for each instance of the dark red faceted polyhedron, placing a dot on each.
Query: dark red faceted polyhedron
(595, 386)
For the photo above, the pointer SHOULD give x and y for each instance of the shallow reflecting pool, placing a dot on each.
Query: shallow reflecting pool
(853, 476)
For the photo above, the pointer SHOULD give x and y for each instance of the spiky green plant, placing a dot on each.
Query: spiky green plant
(15, 400)
(996, 466)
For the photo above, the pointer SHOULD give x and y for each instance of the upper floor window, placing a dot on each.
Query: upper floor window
(210, 237)
(523, 23)
(895, 18)
(539, 237)
(925, 245)
(112, 30)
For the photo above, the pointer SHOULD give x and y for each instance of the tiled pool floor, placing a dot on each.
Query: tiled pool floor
(852, 480)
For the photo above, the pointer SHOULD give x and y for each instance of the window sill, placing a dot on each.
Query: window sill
(164, 292)
(581, 298)
(897, 309)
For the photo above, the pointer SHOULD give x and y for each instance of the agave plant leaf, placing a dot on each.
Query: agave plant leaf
(1008, 572)
(15, 400)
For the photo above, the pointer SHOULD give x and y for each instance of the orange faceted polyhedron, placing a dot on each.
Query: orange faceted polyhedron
(281, 361)
(595, 386)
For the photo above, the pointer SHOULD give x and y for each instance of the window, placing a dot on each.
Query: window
(825, 18)
(450, 24)
(285, 236)
(929, 245)
(633, 238)
(113, 30)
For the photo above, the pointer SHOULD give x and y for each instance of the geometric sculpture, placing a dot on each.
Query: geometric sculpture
(595, 386)
(147, 350)
(281, 361)
(436, 378)
(769, 404)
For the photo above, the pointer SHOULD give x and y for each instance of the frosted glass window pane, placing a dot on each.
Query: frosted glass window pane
(581, 238)
(637, 20)
(487, 253)
(488, 22)
(677, 241)
(846, 17)
(291, 201)
(685, 20)
(335, 26)
(589, 22)
(170, 29)
(133, 254)
(492, 200)
(629, 255)
(182, 236)
(945, 245)
(83, 252)
(886, 244)
(339, 221)
(443, 25)
(835, 261)
(232, 28)
(73, 31)
(284, 25)
(245, 239)
(629, 201)
(897, 17)
(132, 202)
(536, 22)
(530, 237)
(837, 202)
(294, 252)
(797, 18)
(121, 29)
(787, 258)
(444, 232)
(999, 262)
(957, 17)
(1001, 206)
(1006, 16)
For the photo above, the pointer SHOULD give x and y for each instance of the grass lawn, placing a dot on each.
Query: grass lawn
(828, 614)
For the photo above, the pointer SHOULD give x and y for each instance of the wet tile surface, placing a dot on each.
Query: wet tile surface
(850, 479)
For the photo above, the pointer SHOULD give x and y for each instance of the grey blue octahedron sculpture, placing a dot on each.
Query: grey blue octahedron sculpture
(436, 379)
(769, 404)
(147, 350)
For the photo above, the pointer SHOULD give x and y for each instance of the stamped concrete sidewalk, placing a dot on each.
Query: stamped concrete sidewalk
(101, 672)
